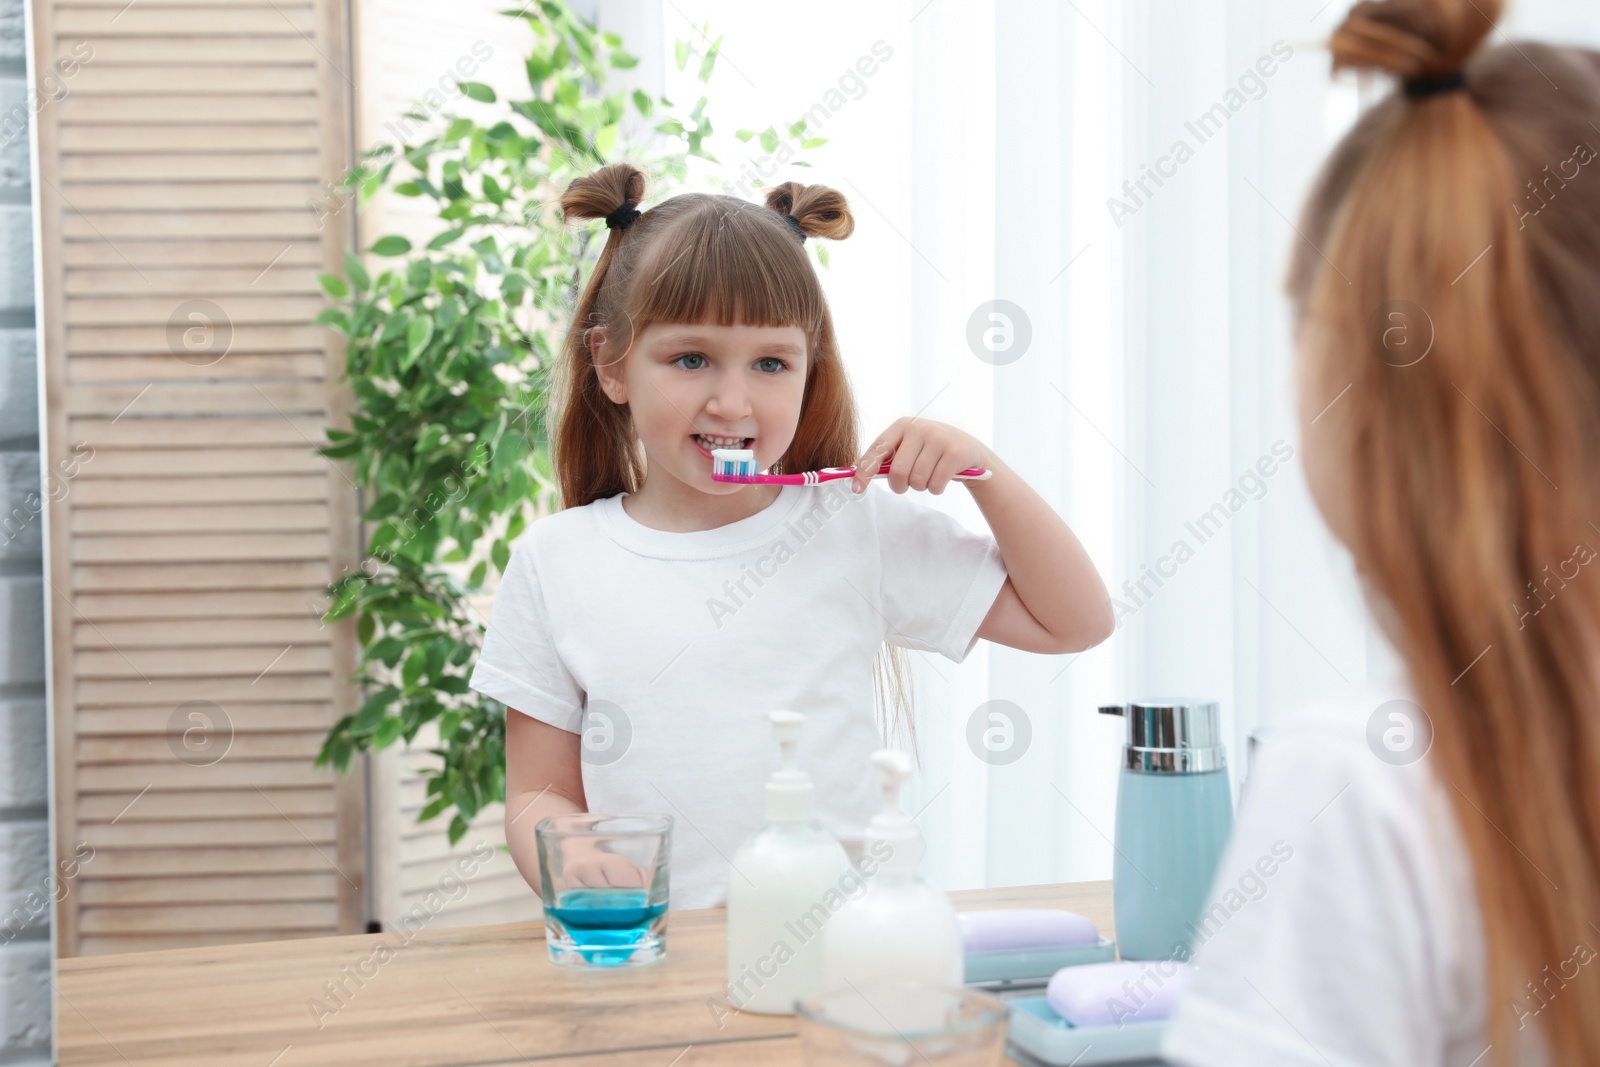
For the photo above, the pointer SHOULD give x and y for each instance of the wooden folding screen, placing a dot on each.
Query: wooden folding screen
(184, 214)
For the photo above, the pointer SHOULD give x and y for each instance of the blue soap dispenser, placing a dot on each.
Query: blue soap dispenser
(1174, 815)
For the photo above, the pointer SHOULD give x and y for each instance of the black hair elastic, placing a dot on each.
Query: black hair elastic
(794, 224)
(623, 217)
(1417, 88)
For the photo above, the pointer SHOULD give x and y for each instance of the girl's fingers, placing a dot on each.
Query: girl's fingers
(929, 460)
(905, 459)
(944, 473)
(867, 466)
(623, 872)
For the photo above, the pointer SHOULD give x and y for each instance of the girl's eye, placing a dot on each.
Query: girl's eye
(781, 365)
(690, 355)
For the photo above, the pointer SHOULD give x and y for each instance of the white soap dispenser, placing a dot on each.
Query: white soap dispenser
(901, 929)
(779, 876)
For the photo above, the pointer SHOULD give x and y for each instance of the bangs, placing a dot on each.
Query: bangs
(724, 262)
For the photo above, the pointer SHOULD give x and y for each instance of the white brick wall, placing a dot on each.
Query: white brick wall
(24, 833)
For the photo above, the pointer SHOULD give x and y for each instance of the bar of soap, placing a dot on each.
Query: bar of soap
(1019, 929)
(1112, 994)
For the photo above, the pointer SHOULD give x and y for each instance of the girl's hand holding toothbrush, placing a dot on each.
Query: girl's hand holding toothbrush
(926, 455)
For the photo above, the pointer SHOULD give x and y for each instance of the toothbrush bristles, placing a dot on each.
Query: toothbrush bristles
(733, 465)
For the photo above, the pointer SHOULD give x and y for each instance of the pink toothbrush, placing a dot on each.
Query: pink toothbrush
(739, 465)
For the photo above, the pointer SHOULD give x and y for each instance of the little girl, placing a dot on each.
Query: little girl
(1427, 853)
(641, 634)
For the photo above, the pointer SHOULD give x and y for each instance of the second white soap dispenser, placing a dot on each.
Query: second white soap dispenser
(778, 878)
(901, 929)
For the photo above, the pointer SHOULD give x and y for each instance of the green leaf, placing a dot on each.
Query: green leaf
(388, 732)
(418, 334)
(501, 554)
(392, 245)
(387, 651)
(374, 709)
(813, 142)
(478, 91)
(432, 809)
(710, 60)
(475, 579)
(356, 273)
(333, 285)
(416, 661)
(365, 625)
(681, 50)
(769, 140)
(446, 237)
(624, 61)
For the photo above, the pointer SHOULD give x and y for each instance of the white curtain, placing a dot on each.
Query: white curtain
(985, 159)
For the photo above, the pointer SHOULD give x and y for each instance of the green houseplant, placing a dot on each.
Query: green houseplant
(448, 353)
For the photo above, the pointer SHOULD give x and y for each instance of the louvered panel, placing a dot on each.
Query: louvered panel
(300, 630)
(245, 337)
(276, 51)
(269, 831)
(209, 546)
(183, 283)
(187, 807)
(167, 773)
(234, 604)
(215, 889)
(235, 517)
(97, 369)
(191, 663)
(188, 389)
(198, 432)
(91, 945)
(155, 576)
(225, 692)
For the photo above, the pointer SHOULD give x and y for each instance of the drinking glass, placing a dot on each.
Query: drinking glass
(603, 881)
(909, 1023)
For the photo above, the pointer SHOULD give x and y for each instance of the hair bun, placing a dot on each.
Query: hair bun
(611, 188)
(1413, 39)
(821, 211)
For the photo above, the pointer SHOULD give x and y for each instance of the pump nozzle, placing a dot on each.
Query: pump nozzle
(789, 789)
(786, 727)
(892, 825)
(893, 768)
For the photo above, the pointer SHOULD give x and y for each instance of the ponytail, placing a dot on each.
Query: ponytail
(1466, 464)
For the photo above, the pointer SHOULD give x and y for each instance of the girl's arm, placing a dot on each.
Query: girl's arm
(1053, 600)
(543, 777)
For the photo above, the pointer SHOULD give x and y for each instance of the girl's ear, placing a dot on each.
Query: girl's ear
(607, 365)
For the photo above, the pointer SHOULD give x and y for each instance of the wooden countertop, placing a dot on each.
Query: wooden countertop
(478, 995)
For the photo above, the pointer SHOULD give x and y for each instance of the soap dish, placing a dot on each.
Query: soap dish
(1032, 966)
(1048, 1039)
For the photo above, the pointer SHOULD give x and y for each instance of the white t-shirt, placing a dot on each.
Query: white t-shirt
(1343, 928)
(667, 650)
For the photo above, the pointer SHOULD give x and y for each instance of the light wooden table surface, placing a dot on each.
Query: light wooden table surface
(479, 995)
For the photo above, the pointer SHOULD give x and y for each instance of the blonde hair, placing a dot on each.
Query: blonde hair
(1468, 473)
(702, 258)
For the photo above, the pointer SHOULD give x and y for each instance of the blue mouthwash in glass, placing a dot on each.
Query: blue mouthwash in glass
(606, 924)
